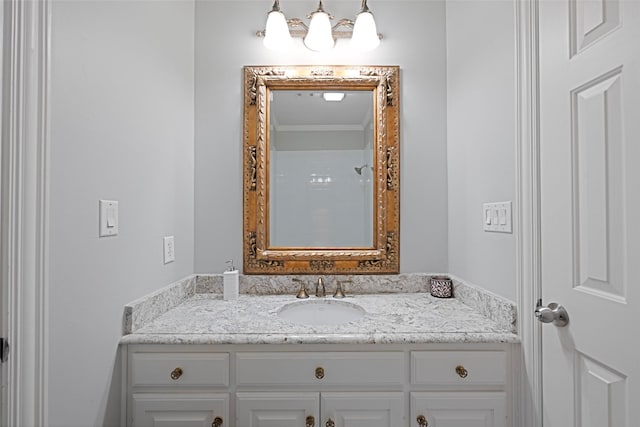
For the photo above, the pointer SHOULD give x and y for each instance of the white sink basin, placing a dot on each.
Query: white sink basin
(321, 312)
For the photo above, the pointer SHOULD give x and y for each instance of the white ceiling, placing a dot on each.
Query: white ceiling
(296, 109)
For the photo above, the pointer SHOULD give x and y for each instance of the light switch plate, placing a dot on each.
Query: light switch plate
(496, 217)
(109, 221)
(169, 249)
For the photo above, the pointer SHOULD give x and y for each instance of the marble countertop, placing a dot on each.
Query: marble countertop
(400, 318)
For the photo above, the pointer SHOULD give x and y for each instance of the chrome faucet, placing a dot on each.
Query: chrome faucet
(319, 284)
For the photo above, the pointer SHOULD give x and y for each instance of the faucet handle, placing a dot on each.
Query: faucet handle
(302, 292)
(339, 293)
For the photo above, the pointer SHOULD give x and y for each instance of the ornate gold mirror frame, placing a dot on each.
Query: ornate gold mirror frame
(383, 256)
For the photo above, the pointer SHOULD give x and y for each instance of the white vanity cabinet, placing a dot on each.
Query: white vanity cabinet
(348, 409)
(180, 409)
(177, 389)
(329, 370)
(469, 388)
(318, 385)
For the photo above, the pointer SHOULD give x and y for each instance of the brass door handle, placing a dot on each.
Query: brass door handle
(176, 373)
(310, 421)
(319, 372)
(422, 421)
(330, 423)
(462, 371)
(217, 422)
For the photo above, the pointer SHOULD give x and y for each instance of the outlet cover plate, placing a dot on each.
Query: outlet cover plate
(169, 249)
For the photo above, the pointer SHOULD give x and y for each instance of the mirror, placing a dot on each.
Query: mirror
(320, 158)
(321, 177)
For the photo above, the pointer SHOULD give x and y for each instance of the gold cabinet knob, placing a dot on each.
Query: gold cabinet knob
(330, 423)
(319, 372)
(461, 371)
(422, 421)
(217, 422)
(176, 373)
(310, 421)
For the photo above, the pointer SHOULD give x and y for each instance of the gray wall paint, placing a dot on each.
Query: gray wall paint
(481, 112)
(122, 128)
(225, 42)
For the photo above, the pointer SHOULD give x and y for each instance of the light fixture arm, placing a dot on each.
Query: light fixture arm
(364, 7)
(276, 6)
(319, 9)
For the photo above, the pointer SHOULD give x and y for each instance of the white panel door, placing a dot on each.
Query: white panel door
(590, 210)
(362, 409)
(266, 409)
(458, 409)
(180, 409)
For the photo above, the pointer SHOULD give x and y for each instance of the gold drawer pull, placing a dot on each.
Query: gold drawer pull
(330, 423)
(310, 422)
(461, 371)
(217, 422)
(176, 373)
(422, 421)
(319, 372)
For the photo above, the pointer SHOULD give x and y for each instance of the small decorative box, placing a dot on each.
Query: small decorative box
(441, 286)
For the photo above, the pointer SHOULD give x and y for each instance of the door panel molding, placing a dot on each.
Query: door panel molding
(591, 21)
(600, 393)
(598, 153)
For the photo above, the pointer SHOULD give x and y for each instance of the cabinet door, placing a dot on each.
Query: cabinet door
(459, 409)
(362, 409)
(276, 409)
(179, 409)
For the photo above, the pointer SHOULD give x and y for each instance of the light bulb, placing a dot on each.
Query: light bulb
(319, 37)
(276, 33)
(365, 34)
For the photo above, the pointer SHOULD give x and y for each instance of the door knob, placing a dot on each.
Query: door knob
(552, 313)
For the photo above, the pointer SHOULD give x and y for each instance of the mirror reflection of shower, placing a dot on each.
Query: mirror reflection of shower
(361, 168)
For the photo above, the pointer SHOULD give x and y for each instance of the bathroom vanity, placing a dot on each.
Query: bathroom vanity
(409, 360)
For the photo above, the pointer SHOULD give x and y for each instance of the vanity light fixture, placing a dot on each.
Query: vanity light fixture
(319, 35)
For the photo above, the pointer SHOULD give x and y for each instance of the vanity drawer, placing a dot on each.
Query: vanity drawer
(179, 369)
(326, 368)
(458, 367)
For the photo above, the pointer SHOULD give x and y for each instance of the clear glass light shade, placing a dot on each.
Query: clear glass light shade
(276, 33)
(365, 34)
(319, 37)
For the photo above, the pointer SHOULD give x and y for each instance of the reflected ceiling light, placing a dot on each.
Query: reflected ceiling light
(319, 35)
(333, 96)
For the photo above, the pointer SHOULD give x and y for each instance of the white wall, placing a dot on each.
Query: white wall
(122, 129)
(225, 42)
(481, 111)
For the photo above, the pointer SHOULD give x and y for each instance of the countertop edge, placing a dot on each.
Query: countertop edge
(287, 339)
